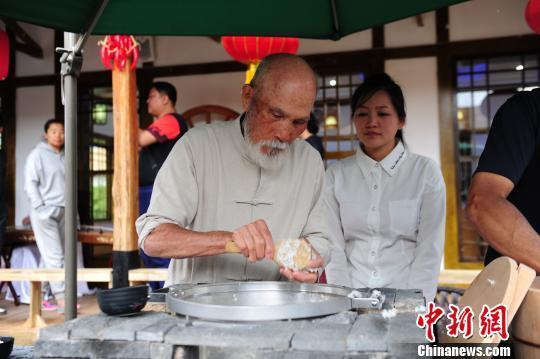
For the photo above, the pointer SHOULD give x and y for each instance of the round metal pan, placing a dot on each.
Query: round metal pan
(258, 301)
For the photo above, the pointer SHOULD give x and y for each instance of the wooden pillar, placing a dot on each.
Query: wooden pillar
(125, 188)
(8, 100)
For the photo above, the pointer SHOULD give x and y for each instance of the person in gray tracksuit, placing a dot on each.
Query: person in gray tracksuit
(44, 185)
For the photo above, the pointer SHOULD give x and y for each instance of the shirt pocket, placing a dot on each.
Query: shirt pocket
(404, 216)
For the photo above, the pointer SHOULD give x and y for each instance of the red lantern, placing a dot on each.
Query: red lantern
(4, 55)
(115, 50)
(250, 50)
(532, 15)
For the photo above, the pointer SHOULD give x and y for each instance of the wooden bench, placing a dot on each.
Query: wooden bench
(143, 275)
(37, 275)
(461, 278)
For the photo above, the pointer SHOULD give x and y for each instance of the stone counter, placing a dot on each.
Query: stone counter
(351, 334)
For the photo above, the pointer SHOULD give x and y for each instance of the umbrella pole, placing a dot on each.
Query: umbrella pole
(70, 73)
(71, 61)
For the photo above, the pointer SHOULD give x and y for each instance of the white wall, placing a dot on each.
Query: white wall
(418, 79)
(91, 58)
(35, 105)
(214, 89)
(479, 19)
(180, 50)
(406, 32)
(356, 41)
(28, 66)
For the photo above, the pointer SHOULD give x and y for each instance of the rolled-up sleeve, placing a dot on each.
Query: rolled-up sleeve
(175, 193)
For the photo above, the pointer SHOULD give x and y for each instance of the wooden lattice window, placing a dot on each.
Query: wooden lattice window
(332, 108)
(482, 86)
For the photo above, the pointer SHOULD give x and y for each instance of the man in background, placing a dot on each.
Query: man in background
(45, 186)
(310, 135)
(155, 143)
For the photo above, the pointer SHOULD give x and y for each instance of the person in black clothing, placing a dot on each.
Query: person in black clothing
(504, 195)
(155, 142)
(3, 205)
(310, 134)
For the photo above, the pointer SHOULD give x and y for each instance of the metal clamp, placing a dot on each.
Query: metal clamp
(360, 301)
(71, 65)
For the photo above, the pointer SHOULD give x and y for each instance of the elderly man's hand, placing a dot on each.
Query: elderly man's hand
(305, 276)
(255, 240)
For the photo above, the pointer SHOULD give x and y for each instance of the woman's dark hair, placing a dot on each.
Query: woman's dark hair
(50, 122)
(313, 124)
(380, 82)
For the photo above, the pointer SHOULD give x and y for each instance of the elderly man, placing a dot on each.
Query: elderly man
(246, 181)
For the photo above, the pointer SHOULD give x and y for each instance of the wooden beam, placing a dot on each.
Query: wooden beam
(419, 20)
(447, 137)
(198, 69)
(58, 106)
(441, 24)
(8, 106)
(449, 155)
(350, 60)
(446, 54)
(377, 37)
(28, 45)
(126, 174)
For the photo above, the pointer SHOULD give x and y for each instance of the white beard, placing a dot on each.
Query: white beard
(271, 161)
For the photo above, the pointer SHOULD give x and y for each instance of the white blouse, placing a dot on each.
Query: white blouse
(387, 221)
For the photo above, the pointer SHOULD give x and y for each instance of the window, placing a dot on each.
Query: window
(332, 108)
(482, 86)
(100, 179)
(96, 154)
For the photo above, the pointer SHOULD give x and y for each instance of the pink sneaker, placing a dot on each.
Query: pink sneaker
(48, 306)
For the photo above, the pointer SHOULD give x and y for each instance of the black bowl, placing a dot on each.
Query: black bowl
(6, 346)
(122, 301)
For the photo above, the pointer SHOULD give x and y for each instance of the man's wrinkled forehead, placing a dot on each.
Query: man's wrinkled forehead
(278, 83)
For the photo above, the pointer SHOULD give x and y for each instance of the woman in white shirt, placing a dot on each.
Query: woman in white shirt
(386, 204)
